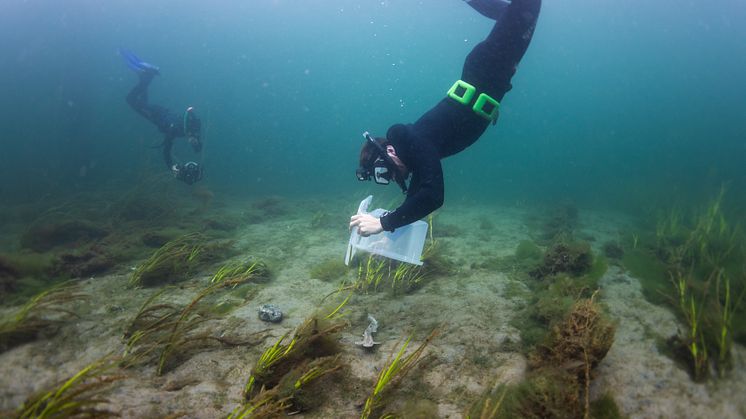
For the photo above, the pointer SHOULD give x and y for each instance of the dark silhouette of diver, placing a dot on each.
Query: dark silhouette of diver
(171, 125)
(455, 123)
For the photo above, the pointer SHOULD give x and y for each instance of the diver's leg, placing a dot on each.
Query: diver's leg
(492, 63)
(492, 9)
(138, 98)
(168, 144)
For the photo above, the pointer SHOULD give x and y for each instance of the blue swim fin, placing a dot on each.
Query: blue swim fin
(492, 9)
(137, 65)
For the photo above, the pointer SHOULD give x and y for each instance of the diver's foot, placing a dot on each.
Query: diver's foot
(492, 9)
(137, 65)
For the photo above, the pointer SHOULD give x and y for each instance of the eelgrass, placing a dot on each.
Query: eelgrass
(337, 313)
(699, 253)
(315, 370)
(170, 262)
(376, 273)
(490, 405)
(76, 397)
(265, 405)
(727, 306)
(707, 339)
(691, 309)
(287, 372)
(314, 338)
(398, 367)
(263, 367)
(162, 330)
(302, 387)
(241, 272)
(42, 312)
(371, 273)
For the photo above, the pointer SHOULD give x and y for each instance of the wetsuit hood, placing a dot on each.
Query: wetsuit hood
(397, 136)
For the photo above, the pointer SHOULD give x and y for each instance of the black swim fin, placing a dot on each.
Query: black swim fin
(492, 9)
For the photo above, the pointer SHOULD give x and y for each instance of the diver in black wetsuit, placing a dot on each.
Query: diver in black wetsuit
(455, 123)
(171, 125)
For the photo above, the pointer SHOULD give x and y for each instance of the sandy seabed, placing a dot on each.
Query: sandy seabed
(472, 310)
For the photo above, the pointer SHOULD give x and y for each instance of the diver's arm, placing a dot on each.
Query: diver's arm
(426, 192)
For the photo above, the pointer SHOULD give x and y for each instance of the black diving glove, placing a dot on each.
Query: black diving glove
(188, 173)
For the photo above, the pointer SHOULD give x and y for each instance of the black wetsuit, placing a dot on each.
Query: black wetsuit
(450, 126)
(170, 124)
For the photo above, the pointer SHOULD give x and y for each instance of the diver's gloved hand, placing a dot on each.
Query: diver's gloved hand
(188, 173)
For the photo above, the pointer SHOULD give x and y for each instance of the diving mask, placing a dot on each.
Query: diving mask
(379, 168)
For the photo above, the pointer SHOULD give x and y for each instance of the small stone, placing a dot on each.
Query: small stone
(270, 313)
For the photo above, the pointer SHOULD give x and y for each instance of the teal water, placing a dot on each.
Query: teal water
(614, 103)
(625, 131)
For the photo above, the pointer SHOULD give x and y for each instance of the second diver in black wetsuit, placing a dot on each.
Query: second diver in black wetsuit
(455, 123)
(171, 125)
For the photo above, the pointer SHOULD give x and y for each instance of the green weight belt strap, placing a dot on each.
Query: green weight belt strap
(485, 106)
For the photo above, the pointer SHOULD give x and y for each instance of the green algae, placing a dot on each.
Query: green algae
(605, 407)
(329, 270)
(652, 274)
(528, 251)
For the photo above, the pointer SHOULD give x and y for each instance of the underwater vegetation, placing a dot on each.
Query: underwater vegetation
(696, 265)
(168, 332)
(287, 374)
(94, 233)
(557, 277)
(577, 344)
(293, 375)
(526, 257)
(613, 250)
(237, 273)
(170, 262)
(77, 397)
(8, 277)
(176, 259)
(329, 270)
(391, 375)
(24, 273)
(560, 220)
(560, 371)
(46, 235)
(322, 220)
(565, 256)
(266, 209)
(42, 313)
(145, 202)
(563, 329)
(376, 273)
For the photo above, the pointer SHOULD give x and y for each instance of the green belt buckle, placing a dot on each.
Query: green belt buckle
(462, 98)
(485, 101)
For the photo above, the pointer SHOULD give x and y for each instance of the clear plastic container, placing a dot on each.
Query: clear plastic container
(405, 244)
